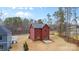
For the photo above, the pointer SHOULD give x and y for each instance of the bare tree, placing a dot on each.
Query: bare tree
(49, 19)
(75, 19)
(59, 15)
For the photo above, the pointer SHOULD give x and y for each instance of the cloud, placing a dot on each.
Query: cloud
(31, 8)
(41, 7)
(23, 14)
(13, 7)
(17, 8)
(26, 8)
(19, 14)
(20, 8)
(78, 21)
(5, 14)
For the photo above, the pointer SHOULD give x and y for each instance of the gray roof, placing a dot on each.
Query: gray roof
(36, 25)
(4, 30)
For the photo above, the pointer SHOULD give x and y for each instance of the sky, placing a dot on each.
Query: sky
(27, 12)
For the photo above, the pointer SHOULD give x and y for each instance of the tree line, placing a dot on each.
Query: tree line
(18, 25)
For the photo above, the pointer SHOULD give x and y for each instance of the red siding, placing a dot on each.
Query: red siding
(45, 32)
(32, 35)
(38, 34)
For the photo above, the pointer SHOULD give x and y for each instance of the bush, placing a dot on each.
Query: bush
(25, 46)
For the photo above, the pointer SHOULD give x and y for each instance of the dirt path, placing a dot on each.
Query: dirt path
(19, 45)
(58, 45)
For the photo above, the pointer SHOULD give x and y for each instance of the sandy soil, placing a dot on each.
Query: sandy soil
(58, 44)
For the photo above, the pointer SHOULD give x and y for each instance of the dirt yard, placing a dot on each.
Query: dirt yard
(58, 44)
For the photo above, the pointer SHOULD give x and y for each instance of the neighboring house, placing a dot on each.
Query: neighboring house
(39, 31)
(5, 38)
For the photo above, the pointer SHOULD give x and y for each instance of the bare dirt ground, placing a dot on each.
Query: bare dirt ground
(58, 44)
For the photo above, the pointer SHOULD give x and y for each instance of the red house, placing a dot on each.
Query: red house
(39, 31)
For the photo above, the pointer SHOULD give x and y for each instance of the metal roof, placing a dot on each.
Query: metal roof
(36, 25)
(4, 30)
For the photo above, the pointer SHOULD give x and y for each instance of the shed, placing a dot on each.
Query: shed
(5, 38)
(39, 31)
